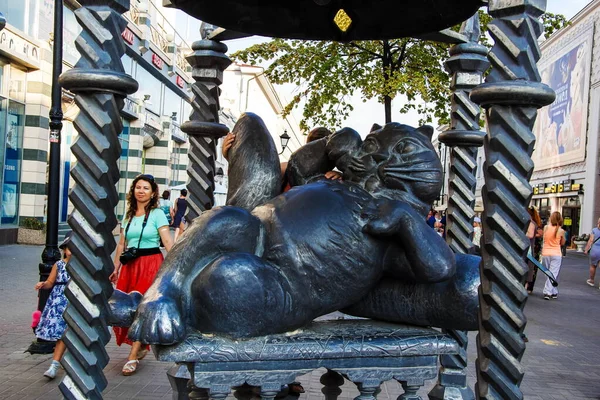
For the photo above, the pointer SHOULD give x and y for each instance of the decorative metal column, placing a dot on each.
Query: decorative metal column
(467, 63)
(208, 62)
(511, 96)
(100, 86)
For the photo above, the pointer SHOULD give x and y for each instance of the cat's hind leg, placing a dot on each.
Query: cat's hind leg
(242, 295)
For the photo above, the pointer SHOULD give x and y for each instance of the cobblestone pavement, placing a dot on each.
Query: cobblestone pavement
(562, 360)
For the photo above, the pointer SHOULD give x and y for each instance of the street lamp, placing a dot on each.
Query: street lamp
(51, 253)
(285, 138)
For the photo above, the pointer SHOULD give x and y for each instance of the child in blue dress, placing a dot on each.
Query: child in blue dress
(52, 325)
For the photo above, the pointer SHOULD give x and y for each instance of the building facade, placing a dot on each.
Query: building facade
(151, 140)
(565, 178)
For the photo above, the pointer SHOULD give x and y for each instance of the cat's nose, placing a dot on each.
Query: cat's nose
(379, 157)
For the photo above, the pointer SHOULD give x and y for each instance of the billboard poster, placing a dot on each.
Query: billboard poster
(560, 128)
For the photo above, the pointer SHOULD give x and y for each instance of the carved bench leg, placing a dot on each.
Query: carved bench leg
(368, 389)
(452, 379)
(331, 382)
(410, 391)
(179, 378)
(219, 392)
(269, 391)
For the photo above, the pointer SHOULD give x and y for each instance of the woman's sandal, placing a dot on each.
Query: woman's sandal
(130, 367)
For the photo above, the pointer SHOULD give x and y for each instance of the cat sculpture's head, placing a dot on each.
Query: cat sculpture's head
(398, 162)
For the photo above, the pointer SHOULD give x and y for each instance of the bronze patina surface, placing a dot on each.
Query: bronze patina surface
(331, 19)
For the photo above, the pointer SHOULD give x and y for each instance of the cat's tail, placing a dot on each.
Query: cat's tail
(254, 169)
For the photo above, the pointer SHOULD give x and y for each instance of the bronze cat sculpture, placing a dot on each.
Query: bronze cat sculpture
(360, 244)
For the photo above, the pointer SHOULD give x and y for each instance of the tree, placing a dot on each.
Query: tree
(328, 73)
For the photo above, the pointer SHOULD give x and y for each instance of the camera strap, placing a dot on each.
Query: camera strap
(141, 233)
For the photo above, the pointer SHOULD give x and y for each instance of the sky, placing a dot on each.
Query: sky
(365, 114)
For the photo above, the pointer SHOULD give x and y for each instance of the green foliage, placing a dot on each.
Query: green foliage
(33, 223)
(326, 74)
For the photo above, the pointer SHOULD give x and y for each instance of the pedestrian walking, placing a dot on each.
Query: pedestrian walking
(593, 247)
(554, 238)
(180, 209)
(138, 255)
(166, 205)
(52, 324)
(534, 234)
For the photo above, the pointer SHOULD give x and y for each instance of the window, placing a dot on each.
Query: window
(71, 30)
(123, 168)
(151, 86)
(17, 84)
(172, 104)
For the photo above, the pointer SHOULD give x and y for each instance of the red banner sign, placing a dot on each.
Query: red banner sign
(128, 35)
(157, 61)
(179, 81)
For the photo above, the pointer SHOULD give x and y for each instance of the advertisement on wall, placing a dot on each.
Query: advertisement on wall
(9, 204)
(560, 128)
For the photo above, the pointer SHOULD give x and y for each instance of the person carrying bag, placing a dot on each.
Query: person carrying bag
(137, 264)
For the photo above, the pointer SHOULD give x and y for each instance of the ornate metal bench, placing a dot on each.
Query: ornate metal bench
(364, 351)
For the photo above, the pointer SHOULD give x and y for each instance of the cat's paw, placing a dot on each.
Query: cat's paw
(158, 321)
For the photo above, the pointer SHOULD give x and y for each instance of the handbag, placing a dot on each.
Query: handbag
(133, 252)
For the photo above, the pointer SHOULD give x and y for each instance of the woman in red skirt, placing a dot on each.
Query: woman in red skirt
(142, 229)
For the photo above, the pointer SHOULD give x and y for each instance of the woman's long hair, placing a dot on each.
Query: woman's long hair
(132, 202)
(556, 220)
(535, 216)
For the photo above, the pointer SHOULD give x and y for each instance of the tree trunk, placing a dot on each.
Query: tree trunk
(387, 62)
(388, 109)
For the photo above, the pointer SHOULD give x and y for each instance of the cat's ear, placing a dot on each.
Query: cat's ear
(426, 130)
(375, 127)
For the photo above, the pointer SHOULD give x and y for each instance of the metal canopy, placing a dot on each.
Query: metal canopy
(340, 20)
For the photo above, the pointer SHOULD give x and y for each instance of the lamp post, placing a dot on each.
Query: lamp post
(285, 138)
(51, 253)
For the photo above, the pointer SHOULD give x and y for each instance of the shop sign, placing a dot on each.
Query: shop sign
(576, 187)
(15, 47)
(548, 189)
(535, 190)
(553, 188)
(179, 81)
(128, 36)
(157, 61)
(560, 188)
(567, 186)
(567, 221)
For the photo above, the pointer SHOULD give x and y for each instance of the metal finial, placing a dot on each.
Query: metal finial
(471, 28)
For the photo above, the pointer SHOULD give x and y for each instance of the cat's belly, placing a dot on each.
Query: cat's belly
(314, 235)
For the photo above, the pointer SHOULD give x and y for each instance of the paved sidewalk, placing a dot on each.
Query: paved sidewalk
(562, 360)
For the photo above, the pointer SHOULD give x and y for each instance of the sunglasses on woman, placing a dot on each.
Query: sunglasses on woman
(146, 177)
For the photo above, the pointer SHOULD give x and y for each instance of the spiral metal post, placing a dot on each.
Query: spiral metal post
(100, 86)
(511, 96)
(208, 61)
(467, 63)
